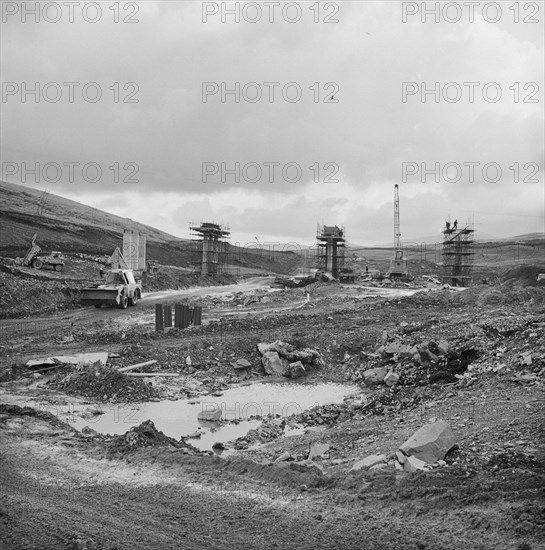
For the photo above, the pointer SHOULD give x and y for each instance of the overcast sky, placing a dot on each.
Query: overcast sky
(361, 135)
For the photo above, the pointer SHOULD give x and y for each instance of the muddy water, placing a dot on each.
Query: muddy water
(241, 404)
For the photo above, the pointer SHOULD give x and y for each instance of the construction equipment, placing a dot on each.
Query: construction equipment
(120, 288)
(32, 258)
(346, 275)
(398, 264)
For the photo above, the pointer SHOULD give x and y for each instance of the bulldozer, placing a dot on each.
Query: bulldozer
(32, 258)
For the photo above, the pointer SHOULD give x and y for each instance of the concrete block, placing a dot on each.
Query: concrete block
(430, 443)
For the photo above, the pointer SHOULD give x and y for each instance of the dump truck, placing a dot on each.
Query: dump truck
(32, 258)
(120, 288)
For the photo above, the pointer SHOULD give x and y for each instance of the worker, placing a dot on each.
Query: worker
(448, 226)
(455, 226)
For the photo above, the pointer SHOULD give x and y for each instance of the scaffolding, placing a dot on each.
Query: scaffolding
(330, 249)
(209, 247)
(458, 254)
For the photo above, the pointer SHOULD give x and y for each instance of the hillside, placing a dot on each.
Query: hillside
(72, 227)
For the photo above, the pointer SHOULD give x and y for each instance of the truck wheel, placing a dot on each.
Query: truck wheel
(58, 267)
(37, 263)
(123, 302)
(133, 300)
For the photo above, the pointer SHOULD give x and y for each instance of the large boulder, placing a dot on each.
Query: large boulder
(430, 443)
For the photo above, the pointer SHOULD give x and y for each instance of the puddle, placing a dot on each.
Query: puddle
(179, 418)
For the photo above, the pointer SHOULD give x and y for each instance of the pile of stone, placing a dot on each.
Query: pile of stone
(424, 450)
(280, 358)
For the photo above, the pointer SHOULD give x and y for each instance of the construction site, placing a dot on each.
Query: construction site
(218, 395)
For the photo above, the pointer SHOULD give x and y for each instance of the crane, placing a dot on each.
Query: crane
(398, 264)
(398, 251)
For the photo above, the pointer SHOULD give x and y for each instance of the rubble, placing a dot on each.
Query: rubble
(141, 436)
(284, 359)
(103, 384)
(80, 359)
(368, 462)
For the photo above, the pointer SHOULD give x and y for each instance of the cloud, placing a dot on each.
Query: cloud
(361, 61)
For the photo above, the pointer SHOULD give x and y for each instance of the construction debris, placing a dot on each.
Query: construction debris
(137, 366)
(144, 374)
(77, 359)
(103, 384)
(284, 359)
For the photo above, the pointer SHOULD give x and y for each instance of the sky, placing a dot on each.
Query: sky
(273, 117)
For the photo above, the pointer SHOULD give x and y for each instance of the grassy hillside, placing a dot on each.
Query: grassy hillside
(69, 226)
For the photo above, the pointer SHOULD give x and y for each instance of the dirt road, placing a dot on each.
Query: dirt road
(63, 489)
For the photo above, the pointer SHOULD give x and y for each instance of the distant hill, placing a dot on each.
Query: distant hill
(69, 226)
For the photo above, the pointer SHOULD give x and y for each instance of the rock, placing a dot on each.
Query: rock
(188, 361)
(373, 377)
(425, 354)
(412, 464)
(242, 364)
(443, 347)
(296, 370)
(210, 414)
(273, 364)
(430, 443)
(287, 351)
(401, 458)
(391, 379)
(367, 462)
(396, 348)
(317, 450)
(283, 457)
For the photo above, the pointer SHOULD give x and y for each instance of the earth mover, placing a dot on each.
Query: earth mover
(120, 289)
(32, 258)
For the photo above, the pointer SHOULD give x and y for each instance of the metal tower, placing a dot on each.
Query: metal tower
(398, 264)
(398, 252)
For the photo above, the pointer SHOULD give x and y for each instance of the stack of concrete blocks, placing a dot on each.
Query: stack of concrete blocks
(134, 249)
